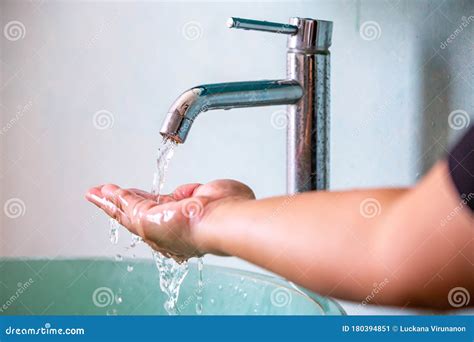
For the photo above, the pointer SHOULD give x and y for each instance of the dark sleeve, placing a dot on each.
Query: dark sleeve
(461, 167)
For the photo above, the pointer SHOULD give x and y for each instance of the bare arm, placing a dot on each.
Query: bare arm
(342, 243)
(335, 243)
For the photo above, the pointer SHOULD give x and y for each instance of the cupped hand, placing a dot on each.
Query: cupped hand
(169, 223)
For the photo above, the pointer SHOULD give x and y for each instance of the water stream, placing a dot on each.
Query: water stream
(171, 272)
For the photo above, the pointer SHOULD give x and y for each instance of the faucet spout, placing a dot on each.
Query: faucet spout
(202, 98)
(305, 91)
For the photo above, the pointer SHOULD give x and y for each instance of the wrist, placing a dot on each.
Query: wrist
(209, 229)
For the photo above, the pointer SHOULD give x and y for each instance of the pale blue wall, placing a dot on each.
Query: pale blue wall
(390, 101)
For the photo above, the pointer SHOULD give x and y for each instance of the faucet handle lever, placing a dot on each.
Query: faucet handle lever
(259, 25)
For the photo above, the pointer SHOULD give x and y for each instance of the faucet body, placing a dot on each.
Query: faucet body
(305, 92)
(308, 61)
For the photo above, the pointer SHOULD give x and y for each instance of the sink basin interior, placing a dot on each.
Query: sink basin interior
(103, 286)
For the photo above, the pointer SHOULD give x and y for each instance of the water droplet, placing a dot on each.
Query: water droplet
(129, 268)
(114, 231)
(212, 301)
(112, 312)
(118, 299)
(199, 308)
(244, 295)
(220, 287)
(135, 240)
(118, 257)
(200, 286)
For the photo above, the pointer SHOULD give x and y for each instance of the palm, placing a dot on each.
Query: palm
(167, 222)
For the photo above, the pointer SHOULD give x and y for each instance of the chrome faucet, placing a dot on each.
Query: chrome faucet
(305, 91)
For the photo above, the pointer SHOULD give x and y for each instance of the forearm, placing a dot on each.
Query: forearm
(333, 244)
(322, 240)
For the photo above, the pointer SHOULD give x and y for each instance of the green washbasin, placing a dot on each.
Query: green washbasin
(104, 286)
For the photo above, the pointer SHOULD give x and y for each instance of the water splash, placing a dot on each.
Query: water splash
(171, 275)
(170, 271)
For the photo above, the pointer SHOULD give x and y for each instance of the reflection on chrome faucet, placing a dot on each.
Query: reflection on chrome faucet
(305, 91)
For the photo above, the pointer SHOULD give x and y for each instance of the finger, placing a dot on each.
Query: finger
(185, 191)
(135, 207)
(127, 201)
(94, 195)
